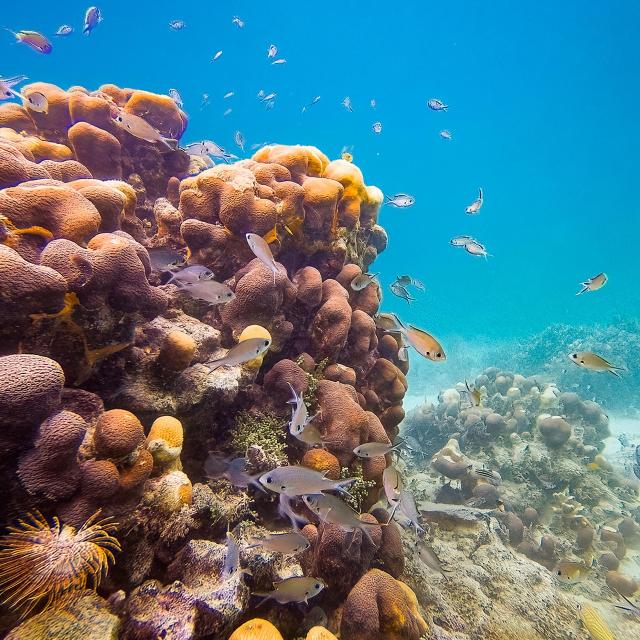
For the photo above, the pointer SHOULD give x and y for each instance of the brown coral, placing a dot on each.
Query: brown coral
(117, 434)
(97, 149)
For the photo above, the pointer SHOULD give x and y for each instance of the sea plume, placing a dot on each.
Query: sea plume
(42, 562)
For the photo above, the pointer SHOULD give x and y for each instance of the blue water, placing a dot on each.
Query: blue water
(543, 110)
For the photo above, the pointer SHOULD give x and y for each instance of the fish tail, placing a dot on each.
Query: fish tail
(585, 287)
(265, 595)
(614, 371)
(214, 364)
(342, 485)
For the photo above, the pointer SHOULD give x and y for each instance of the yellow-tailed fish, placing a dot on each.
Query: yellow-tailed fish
(293, 480)
(140, 128)
(594, 624)
(424, 343)
(593, 362)
(570, 572)
(346, 156)
(593, 284)
(262, 251)
(297, 589)
(244, 351)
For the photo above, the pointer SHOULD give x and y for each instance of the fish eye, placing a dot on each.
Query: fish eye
(317, 586)
(574, 356)
(438, 355)
(428, 353)
(283, 487)
(269, 480)
(266, 343)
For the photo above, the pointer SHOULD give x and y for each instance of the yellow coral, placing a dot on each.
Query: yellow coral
(164, 442)
(256, 629)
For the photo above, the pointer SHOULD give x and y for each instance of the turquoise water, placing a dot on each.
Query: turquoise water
(543, 111)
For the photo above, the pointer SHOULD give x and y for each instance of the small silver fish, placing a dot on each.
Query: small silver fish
(315, 100)
(476, 249)
(268, 97)
(363, 280)
(294, 481)
(210, 291)
(36, 101)
(284, 543)
(461, 241)
(229, 94)
(331, 510)
(241, 353)
(392, 483)
(208, 148)
(437, 105)
(238, 22)
(428, 556)
(205, 101)
(406, 512)
(190, 275)
(446, 134)
(216, 55)
(239, 139)
(92, 18)
(300, 425)
(372, 103)
(140, 128)
(377, 127)
(232, 559)
(280, 61)
(64, 30)
(346, 103)
(227, 112)
(476, 205)
(174, 94)
(374, 449)
(234, 471)
(177, 25)
(629, 606)
(401, 292)
(269, 105)
(6, 87)
(272, 52)
(400, 200)
(262, 251)
(406, 281)
(297, 589)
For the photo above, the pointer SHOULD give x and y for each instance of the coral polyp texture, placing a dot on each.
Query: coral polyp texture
(41, 562)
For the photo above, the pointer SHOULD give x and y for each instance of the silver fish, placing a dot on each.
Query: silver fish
(64, 30)
(208, 148)
(177, 25)
(428, 556)
(232, 559)
(6, 87)
(272, 52)
(210, 291)
(140, 128)
(332, 510)
(238, 22)
(476, 249)
(346, 103)
(227, 112)
(363, 280)
(239, 139)
(372, 103)
(205, 101)
(174, 94)
(388, 322)
(284, 543)
(280, 61)
(377, 127)
(297, 589)
(392, 483)
(297, 481)
(268, 97)
(269, 105)
(401, 292)
(234, 471)
(405, 281)
(406, 512)
(315, 100)
(374, 449)
(229, 94)
(476, 205)
(190, 275)
(300, 426)
(285, 510)
(216, 55)
(446, 134)
(262, 251)
(165, 259)
(461, 241)
(36, 101)
(92, 18)
(400, 200)
(240, 353)
(437, 105)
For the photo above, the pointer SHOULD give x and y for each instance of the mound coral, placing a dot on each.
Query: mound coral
(40, 562)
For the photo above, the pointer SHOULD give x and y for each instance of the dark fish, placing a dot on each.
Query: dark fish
(92, 19)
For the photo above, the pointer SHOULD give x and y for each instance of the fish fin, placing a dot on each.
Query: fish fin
(614, 371)
(585, 287)
(295, 398)
(214, 364)
(265, 595)
(341, 485)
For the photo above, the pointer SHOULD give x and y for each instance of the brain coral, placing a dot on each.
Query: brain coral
(117, 433)
(381, 608)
